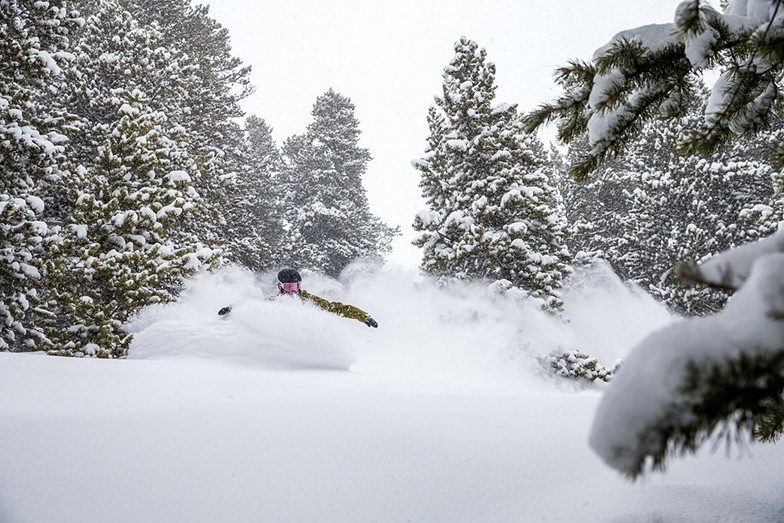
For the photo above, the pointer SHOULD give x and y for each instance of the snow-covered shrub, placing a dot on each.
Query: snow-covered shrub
(576, 365)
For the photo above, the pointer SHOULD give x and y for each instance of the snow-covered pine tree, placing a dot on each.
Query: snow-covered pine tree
(521, 210)
(329, 223)
(116, 55)
(764, 148)
(447, 231)
(718, 375)
(653, 207)
(494, 211)
(34, 51)
(216, 83)
(435, 189)
(124, 250)
(254, 224)
(115, 50)
(118, 61)
(595, 208)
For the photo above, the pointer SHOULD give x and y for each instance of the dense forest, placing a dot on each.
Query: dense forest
(128, 166)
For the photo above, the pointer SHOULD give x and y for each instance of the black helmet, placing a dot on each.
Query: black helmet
(289, 276)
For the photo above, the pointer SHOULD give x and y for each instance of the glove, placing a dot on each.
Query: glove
(370, 322)
(224, 311)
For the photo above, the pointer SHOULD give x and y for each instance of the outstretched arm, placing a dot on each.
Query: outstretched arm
(341, 309)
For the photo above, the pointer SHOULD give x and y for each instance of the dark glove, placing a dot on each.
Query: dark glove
(224, 311)
(370, 322)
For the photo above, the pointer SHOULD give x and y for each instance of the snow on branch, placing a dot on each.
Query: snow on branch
(731, 268)
(611, 97)
(704, 378)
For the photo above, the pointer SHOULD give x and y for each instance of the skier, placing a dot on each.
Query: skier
(289, 281)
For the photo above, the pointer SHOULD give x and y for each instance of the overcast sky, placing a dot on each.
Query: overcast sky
(388, 58)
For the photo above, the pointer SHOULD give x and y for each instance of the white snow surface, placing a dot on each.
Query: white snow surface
(282, 412)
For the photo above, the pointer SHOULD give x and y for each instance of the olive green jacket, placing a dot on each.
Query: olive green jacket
(341, 309)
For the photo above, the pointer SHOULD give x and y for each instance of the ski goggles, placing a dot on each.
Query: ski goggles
(289, 287)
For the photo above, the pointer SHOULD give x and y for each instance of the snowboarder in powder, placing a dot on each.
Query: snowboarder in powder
(289, 283)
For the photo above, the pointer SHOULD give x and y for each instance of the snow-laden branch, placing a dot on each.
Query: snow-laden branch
(609, 98)
(704, 377)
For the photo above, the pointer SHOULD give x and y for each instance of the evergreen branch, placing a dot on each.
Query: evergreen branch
(624, 55)
(580, 170)
(638, 98)
(770, 422)
(689, 272)
(543, 115)
(726, 400)
(570, 108)
(628, 125)
(569, 111)
(576, 73)
(691, 16)
(745, 79)
(648, 75)
(747, 111)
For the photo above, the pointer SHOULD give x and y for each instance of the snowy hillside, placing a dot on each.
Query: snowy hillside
(282, 412)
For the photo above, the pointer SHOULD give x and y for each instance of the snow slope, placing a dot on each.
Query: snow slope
(284, 413)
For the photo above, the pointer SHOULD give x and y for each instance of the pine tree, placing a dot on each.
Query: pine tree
(34, 52)
(328, 219)
(195, 80)
(216, 83)
(494, 210)
(116, 56)
(128, 60)
(123, 251)
(254, 225)
(118, 254)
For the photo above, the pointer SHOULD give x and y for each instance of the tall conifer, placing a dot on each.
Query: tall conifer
(124, 250)
(494, 209)
(35, 41)
(329, 223)
(255, 220)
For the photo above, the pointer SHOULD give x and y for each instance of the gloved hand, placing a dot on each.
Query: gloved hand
(370, 322)
(224, 311)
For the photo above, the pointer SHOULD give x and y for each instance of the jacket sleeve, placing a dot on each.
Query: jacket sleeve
(341, 309)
